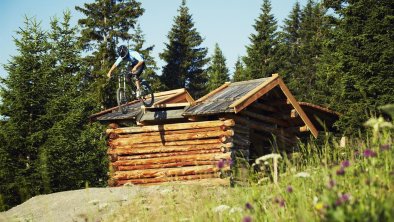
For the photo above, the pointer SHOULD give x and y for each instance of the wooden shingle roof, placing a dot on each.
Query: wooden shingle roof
(234, 97)
(135, 109)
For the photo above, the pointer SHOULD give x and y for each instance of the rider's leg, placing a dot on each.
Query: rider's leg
(138, 85)
(137, 79)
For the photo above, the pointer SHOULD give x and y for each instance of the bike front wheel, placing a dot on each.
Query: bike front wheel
(122, 100)
(146, 97)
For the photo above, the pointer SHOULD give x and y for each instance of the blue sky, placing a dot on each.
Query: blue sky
(226, 22)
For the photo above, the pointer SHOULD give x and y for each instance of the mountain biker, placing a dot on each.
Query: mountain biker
(135, 61)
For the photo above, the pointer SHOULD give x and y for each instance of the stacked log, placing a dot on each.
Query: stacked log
(170, 152)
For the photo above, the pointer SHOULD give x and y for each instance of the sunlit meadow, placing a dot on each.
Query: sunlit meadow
(323, 182)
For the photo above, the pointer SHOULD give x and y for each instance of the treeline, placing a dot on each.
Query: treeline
(335, 53)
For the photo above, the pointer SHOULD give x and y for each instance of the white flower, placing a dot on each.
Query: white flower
(235, 210)
(302, 174)
(315, 200)
(221, 208)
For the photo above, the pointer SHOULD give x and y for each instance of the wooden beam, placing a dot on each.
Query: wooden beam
(293, 113)
(166, 179)
(170, 92)
(169, 149)
(167, 172)
(178, 126)
(174, 159)
(265, 118)
(172, 143)
(156, 155)
(220, 88)
(171, 132)
(166, 165)
(255, 94)
(178, 95)
(304, 129)
(264, 107)
(168, 105)
(263, 127)
(140, 138)
(298, 108)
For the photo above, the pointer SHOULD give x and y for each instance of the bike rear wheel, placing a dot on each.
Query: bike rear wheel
(146, 97)
(122, 100)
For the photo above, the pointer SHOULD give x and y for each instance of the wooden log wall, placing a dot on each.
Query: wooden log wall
(170, 152)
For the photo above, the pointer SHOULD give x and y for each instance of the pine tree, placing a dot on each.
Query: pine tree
(359, 61)
(218, 72)
(290, 46)
(68, 159)
(184, 56)
(261, 56)
(149, 74)
(312, 36)
(239, 71)
(24, 97)
(107, 23)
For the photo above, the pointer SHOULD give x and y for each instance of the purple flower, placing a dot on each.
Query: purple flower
(345, 163)
(342, 199)
(279, 201)
(331, 183)
(282, 203)
(248, 206)
(369, 153)
(221, 164)
(289, 189)
(338, 202)
(341, 171)
(384, 147)
(247, 219)
(345, 197)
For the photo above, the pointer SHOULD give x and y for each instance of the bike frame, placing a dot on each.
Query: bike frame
(121, 77)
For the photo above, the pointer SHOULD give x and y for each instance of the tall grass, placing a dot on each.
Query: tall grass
(352, 183)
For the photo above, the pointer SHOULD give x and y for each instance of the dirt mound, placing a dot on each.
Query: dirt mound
(91, 204)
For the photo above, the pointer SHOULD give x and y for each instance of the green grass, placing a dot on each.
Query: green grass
(354, 183)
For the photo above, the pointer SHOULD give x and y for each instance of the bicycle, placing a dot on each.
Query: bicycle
(126, 93)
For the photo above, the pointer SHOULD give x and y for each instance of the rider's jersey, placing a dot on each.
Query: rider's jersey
(132, 57)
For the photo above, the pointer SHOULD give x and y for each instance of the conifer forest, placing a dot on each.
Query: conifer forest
(338, 54)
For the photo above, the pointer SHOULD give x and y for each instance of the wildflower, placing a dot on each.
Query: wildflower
(248, 206)
(247, 219)
(303, 174)
(384, 147)
(341, 171)
(319, 206)
(221, 164)
(282, 203)
(235, 210)
(315, 200)
(221, 208)
(342, 199)
(345, 163)
(331, 184)
(279, 201)
(289, 189)
(345, 197)
(369, 153)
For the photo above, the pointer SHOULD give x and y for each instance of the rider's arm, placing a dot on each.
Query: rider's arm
(114, 66)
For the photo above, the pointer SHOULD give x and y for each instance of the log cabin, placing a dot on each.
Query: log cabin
(182, 139)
